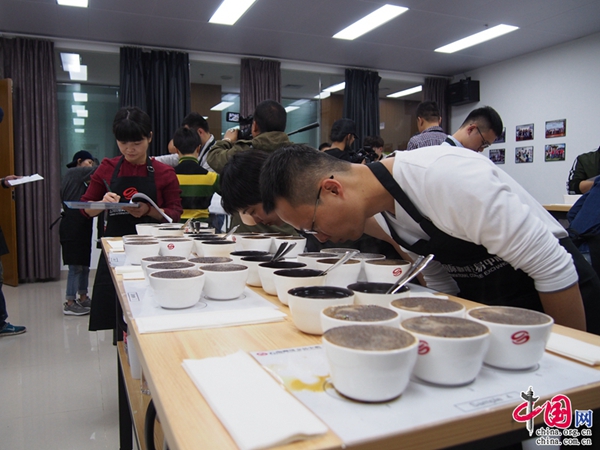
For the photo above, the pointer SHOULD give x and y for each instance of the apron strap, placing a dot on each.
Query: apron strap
(450, 141)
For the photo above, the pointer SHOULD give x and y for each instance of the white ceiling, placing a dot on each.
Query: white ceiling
(298, 32)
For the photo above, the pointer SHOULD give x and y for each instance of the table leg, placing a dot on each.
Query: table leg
(125, 424)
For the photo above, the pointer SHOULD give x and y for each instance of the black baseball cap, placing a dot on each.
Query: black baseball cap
(341, 128)
(81, 154)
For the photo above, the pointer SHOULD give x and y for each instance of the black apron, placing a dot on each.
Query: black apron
(103, 315)
(482, 277)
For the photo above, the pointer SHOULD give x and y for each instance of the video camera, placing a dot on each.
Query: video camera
(245, 124)
(367, 154)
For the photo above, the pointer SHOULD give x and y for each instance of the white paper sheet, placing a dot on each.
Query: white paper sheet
(26, 179)
(574, 349)
(254, 409)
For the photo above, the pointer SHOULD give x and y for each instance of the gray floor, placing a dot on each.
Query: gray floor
(58, 381)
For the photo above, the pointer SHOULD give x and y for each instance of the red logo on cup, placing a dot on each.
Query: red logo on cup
(129, 192)
(171, 246)
(423, 347)
(397, 272)
(520, 337)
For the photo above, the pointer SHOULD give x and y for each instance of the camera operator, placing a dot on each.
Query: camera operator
(372, 148)
(267, 134)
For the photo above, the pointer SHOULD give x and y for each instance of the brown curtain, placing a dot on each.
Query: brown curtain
(434, 90)
(361, 102)
(260, 80)
(30, 64)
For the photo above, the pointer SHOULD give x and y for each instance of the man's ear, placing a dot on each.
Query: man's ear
(255, 130)
(332, 186)
(150, 137)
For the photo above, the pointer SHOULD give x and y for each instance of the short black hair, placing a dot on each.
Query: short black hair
(131, 124)
(429, 111)
(186, 140)
(270, 116)
(324, 145)
(240, 180)
(293, 173)
(194, 120)
(373, 142)
(487, 118)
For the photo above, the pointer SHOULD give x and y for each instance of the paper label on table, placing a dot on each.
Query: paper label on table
(305, 373)
(116, 258)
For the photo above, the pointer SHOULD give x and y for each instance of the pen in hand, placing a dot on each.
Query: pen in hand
(107, 186)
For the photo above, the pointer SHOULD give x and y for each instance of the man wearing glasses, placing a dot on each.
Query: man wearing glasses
(481, 127)
(491, 236)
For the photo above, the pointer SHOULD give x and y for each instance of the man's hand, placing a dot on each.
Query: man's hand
(7, 178)
(231, 135)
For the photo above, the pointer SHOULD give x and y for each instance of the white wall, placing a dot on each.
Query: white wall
(561, 82)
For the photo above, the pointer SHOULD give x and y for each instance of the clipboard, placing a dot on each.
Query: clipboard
(100, 205)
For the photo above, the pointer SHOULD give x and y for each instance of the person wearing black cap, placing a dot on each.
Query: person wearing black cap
(343, 135)
(76, 234)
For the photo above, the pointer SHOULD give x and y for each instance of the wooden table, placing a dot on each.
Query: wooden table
(189, 423)
(559, 212)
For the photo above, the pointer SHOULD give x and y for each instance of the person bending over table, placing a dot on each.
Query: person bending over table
(116, 180)
(497, 242)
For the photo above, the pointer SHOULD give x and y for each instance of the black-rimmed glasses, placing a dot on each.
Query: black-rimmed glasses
(484, 143)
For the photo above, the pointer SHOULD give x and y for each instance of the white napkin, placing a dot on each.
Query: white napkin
(256, 410)
(208, 319)
(128, 269)
(116, 246)
(574, 349)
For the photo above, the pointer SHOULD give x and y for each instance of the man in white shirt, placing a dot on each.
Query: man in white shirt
(497, 242)
(196, 122)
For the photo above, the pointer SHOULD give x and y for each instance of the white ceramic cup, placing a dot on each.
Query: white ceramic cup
(171, 230)
(204, 260)
(364, 257)
(176, 247)
(273, 236)
(224, 281)
(144, 228)
(375, 293)
(260, 243)
(286, 279)
(182, 291)
(176, 265)
(156, 259)
(299, 248)
(136, 250)
(516, 345)
(343, 316)
(310, 258)
(370, 363)
(198, 242)
(451, 349)
(138, 237)
(306, 304)
(266, 270)
(342, 275)
(385, 270)
(411, 306)
(237, 238)
(217, 248)
(238, 255)
(252, 262)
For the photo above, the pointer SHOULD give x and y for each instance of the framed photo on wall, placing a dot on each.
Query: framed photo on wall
(556, 128)
(524, 132)
(554, 152)
(501, 138)
(524, 154)
(498, 155)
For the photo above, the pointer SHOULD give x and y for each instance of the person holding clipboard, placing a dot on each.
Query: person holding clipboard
(117, 180)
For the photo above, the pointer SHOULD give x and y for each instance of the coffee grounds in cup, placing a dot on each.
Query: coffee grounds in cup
(177, 274)
(157, 259)
(369, 337)
(442, 326)
(211, 260)
(177, 265)
(427, 305)
(509, 315)
(360, 313)
(223, 267)
(141, 242)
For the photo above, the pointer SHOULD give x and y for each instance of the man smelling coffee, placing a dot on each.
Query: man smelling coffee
(497, 242)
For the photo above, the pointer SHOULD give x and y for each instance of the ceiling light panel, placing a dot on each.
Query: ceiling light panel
(291, 108)
(230, 11)
(78, 75)
(406, 92)
(336, 87)
(370, 22)
(80, 96)
(221, 106)
(477, 38)
(79, 122)
(70, 61)
(77, 3)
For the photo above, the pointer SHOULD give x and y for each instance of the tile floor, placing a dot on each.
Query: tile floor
(58, 381)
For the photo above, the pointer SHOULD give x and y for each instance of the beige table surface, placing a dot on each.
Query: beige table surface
(189, 423)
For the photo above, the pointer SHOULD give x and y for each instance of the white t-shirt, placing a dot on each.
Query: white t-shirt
(467, 196)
